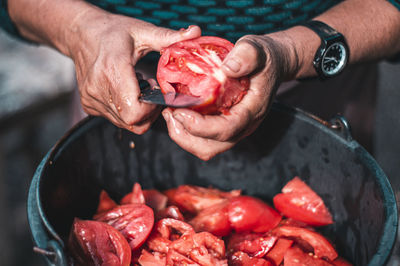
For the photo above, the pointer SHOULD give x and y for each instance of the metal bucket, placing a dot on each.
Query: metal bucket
(97, 155)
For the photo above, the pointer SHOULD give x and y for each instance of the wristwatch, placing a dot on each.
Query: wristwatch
(333, 53)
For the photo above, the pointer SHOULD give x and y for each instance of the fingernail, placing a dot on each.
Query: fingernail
(166, 116)
(232, 65)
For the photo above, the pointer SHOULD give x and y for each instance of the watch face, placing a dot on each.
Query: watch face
(334, 59)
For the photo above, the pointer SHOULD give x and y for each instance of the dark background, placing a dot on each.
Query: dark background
(36, 87)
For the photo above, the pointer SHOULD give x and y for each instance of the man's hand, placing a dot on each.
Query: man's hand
(266, 61)
(105, 54)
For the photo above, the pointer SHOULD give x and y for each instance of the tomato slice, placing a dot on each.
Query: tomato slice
(240, 258)
(193, 199)
(105, 202)
(213, 219)
(294, 256)
(135, 222)
(152, 259)
(97, 243)
(254, 244)
(299, 202)
(155, 199)
(279, 249)
(203, 248)
(170, 212)
(247, 213)
(322, 247)
(136, 196)
(194, 67)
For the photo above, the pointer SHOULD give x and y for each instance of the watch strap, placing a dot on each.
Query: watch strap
(323, 30)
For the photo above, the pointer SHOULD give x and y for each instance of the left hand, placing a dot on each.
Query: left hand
(265, 60)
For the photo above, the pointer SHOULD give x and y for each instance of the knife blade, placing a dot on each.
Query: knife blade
(153, 95)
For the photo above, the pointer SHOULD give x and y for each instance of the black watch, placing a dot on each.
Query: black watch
(333, 53)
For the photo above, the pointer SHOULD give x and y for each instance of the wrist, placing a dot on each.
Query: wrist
(300, 45)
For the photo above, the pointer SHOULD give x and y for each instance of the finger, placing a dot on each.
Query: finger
(143, 126)
(164, 37)
(216, 127)
(204, 149)
(92, 111)
(125, 96)
(245, 58)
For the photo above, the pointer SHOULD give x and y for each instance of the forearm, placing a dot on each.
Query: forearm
(50, 22)
(371, 28)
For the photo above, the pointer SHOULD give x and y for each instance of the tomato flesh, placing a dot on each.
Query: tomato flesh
(97, 243)
(294, 256)
(193, 67)
(299, 202)
(251, 214)
(135, 222)
(322, 247)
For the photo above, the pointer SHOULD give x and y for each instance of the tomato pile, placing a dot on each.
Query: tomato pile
(193, 67)
(192, 225)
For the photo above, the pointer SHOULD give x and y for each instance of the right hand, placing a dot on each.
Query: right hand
(105, 49)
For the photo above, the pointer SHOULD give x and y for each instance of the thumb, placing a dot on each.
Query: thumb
(245, 58)
(165, 37)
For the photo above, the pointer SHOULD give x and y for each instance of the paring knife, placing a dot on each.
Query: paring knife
(153, 95)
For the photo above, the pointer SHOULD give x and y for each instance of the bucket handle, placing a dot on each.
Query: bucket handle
(338, 124)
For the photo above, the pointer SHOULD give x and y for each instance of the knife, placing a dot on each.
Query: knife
(153, 95)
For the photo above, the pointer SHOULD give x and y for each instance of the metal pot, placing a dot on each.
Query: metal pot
(97, 155)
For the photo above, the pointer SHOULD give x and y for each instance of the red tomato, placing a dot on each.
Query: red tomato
(194, 67)
(240, 258)
(213, 219)
(194, 198)
(155, 199)
(250, 214)
(202, 248)
(136, 196)
(105, 202)
(135, 222)
(170, 212)
(322, 247)
(299, 202)
(294, 256)
(254, 244)
(279, 249)
(152, 259)
(97, 243)
(167, 226)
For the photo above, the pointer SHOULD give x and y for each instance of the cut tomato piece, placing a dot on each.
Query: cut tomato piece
(240, 258)
(294, 256)
(136, 196)
(279, 249)
(250, 214)
(202, 248)
(254, 244)
(193, 199)
(213, 219)
(155, 199)
(322, 247)
(105, 202)
(299, 202)
(152, 258)
(134, 221)
(193, 67)
(97, 243)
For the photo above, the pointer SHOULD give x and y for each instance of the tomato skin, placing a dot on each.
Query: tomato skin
(278, 250)
(213, 219)
(135, 222)
(322, 247)
(152, 259)
(254, 244)
(194, 67)
(240, 258)
(105, 203)
(294, 256)
(299, 202)
(97, 243)
(247, 213)
(193, 199)
(136, 196)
